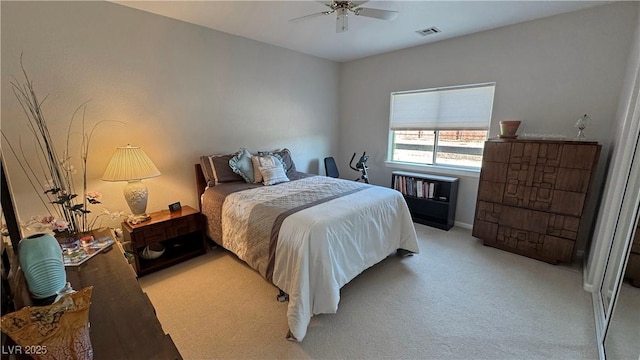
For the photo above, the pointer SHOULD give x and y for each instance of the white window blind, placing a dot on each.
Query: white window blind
(450, 108)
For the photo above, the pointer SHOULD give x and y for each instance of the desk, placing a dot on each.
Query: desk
(123, 321)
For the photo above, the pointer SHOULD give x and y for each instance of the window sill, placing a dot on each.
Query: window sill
(434, 169)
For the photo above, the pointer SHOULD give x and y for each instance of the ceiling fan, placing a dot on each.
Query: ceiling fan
(343, 8)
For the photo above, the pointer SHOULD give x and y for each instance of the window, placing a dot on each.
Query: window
(441, 126)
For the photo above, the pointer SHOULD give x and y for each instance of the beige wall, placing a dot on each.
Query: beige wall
(548, 72)
(182, 90)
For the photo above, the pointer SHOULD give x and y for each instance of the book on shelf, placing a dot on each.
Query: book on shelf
(420, 188)
(416, 187)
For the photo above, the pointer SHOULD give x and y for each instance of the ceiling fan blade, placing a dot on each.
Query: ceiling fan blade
(342, 24)
(376, 13)
(358, 3)
(310, 16)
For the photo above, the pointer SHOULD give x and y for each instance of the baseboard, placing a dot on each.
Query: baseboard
(585, 274)
(463, 225)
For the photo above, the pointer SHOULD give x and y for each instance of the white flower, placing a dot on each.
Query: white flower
(67, 166)
(116, 215)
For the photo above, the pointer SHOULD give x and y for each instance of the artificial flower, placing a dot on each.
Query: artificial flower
(59, 225)
(58, 191)
(94, 197)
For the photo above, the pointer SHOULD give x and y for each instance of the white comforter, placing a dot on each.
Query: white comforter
(323, 247)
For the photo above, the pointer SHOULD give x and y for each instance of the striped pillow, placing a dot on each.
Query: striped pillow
(216, 169)
(273, 175)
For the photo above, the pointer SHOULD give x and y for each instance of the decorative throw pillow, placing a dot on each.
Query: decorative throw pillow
(56, 331)
(216, 169)
(273, 175)
(264, 160)
(287, 161)
(257, 176)
(241, 164)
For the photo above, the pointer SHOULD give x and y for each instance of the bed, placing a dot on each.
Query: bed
(309, 235)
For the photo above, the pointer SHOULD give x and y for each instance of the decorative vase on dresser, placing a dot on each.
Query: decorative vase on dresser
(532, 194)
(43, 267)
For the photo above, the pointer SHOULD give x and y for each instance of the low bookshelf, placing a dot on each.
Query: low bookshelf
(431, 198)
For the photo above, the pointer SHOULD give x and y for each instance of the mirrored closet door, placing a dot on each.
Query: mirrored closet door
(622, 338)
(617, 301)
(619, 337)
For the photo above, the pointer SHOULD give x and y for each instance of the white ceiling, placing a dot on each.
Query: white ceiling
(268, 21)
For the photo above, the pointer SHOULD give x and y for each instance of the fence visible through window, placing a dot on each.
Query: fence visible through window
(453, 147)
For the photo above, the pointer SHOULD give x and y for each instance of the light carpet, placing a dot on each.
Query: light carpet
(457, 299)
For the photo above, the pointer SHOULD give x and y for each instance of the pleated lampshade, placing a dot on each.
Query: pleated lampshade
(130, 163)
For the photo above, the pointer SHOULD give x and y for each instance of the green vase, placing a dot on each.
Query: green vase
(41, 260)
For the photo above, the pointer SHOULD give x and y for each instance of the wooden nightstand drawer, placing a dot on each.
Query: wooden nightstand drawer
(154, 234)
(182, 227)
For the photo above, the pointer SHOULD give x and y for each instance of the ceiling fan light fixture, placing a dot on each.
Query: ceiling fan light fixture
(342, 9)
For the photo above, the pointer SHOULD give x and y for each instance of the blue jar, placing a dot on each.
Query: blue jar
(41, 261)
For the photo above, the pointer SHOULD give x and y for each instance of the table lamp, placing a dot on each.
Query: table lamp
(131, 164)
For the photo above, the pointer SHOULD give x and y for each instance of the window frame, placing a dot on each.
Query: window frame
(439, 168)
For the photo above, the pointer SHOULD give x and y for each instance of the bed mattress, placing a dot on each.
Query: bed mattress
(309, 237)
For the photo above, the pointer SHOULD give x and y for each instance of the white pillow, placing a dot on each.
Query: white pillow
(265, 161)
(273, 175)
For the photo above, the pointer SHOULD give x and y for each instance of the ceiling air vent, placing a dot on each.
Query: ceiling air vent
(429, 31)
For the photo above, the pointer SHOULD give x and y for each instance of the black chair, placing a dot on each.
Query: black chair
(330, 167)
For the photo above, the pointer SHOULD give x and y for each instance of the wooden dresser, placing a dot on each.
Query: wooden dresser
(531, 196)
(123, 321)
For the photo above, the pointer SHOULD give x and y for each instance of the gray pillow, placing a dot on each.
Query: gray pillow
(287, 161)
(216, 169)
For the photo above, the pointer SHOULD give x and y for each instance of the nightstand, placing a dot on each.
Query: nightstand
(181, 233)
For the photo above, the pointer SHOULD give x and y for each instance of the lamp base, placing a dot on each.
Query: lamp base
(138, 218)
(136, 194)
